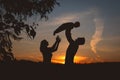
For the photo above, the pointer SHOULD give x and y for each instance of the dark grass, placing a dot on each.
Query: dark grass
(37, 70)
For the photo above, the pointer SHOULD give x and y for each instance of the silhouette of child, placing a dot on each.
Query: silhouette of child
(73, 44)
(47, 51)
(68, 25)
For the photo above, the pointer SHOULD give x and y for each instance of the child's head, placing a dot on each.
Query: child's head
(80, 41)
(76, 24)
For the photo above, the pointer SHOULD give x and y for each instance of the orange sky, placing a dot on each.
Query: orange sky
(99, 26)
(61, 59)
(57, 59)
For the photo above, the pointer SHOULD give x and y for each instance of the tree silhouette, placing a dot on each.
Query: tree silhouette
(13, 14)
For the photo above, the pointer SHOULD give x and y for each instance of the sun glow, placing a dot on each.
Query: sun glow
(61, 59)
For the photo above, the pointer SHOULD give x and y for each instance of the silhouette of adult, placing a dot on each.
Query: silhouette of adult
(73, 44)
(73, 47)
(47, 51)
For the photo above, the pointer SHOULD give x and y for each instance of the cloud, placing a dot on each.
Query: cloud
(69, 17)
(97, 36)
(64, 18)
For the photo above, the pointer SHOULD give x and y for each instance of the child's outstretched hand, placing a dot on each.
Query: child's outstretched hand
(58, 39)
(54, 33)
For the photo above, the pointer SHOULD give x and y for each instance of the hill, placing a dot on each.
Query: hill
(37, 70)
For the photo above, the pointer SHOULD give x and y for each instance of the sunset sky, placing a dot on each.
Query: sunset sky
(100, 25)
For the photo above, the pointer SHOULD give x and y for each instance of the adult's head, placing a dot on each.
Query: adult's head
(80, 41)
(77, 24)
(44, 43)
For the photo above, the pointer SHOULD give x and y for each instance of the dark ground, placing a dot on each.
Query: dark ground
(25, 70)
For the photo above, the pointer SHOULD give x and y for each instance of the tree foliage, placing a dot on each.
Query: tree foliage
(29, 7)
(13, 13)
